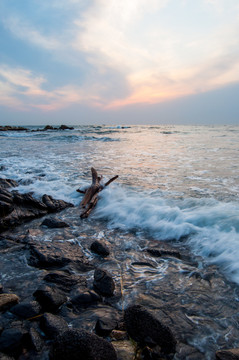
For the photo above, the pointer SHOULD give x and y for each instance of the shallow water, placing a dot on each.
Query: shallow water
(177, 185)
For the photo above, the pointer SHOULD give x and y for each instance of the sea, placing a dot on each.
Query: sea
(177, 184)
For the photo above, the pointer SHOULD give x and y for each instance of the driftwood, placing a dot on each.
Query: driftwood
(90, 199)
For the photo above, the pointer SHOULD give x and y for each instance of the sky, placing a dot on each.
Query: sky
(119, 61)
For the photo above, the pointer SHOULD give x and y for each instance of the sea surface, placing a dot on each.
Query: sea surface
(177, 184)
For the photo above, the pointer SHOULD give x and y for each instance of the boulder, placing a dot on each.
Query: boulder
(103, 283)
(7, 301)
(7, 183)
(81, 345)
(65, 127)
(147, 330)
(85, 298)
(36, 341)
(53, 325)
(54, 223)
(26, 310)
(99, 248)
(230, 354)
(58, 254)
(12, 340)
(50, 298)
(105, 325)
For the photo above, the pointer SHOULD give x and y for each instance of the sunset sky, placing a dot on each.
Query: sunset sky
(108, 61)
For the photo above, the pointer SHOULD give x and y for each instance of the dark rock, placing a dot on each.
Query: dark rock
(54, 205)
(7, 183)
(64, 280)
(5, 357)
(26, 310)
(230, 354)
(54, 223)
(105, 325)
(64, 127)
(81, 345)
(27, 200)
(99, 248)
(35, 340)
(144, 263)
(58, 254)
(147, 330)
(12, 340)
(164, 252)
(7, 301)
(50, 298)
(1, 288)
(103, 282)
(53, 325)
(12, 128)
(48, 127)
(5, 208)
(85, 298)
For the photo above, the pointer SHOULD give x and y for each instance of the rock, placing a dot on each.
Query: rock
(118, 335)
(230, 354)
(85, 298)
(105, 325)
(164, 252)
(1, 288)
(147, 330)
(48, 127)
(58, 254)
(81, 345)
(50, 298)
(7, 301)
(26, 310)
(53, 325)
(54, 223)
(35, 340)
(11, 341)
(7, 183)
(65, 281)
(5, 357)
(5, 208)
(64, 127)
(54, 205)
(103, 283)
(28, 201)
(99, 248)
(125, 350)
(12, 128)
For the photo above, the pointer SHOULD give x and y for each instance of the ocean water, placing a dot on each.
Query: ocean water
(177, 185)
(175, 182)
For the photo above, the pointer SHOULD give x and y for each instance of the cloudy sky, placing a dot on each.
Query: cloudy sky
(119, 61)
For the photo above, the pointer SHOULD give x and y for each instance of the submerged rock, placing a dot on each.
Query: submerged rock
(26, 310)
(146, 329)
(7, 301)
(65, 281)
(81, 345)
(103, 282)
(85, 298)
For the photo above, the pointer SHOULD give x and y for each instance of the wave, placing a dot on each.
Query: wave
(210, 227)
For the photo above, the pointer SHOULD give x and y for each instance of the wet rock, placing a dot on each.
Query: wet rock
(144, 263)
(100, 248)
(28, 201)
(125, 350)
(58, 254)
(118, 335)
(103, 283)
(7, 301)
(81, 345)
(26, 310)
(12, 128)
(7, 183)
(12, 340)
(48, 127)
(85, 298)
(50, 298)
(230, 354)
(5, 357)
(164, 253)
(65, 281)
(54, 205)
(65, 127)
(147, 330)
(35, 340)
(53, 325)
(1, 288)
(105, 325)
(54, 223)
(5, 208)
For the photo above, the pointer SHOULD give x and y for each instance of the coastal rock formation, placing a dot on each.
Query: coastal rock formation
(7, 301)
(230, 354)
(53, 325)
(54, 223)
(26, 310)
(16, 208)
(147, 330)
(50, 298)
(99, 248)
(76, 344)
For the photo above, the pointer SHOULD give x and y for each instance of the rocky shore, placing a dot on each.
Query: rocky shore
(65, 300)
(47, 127)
